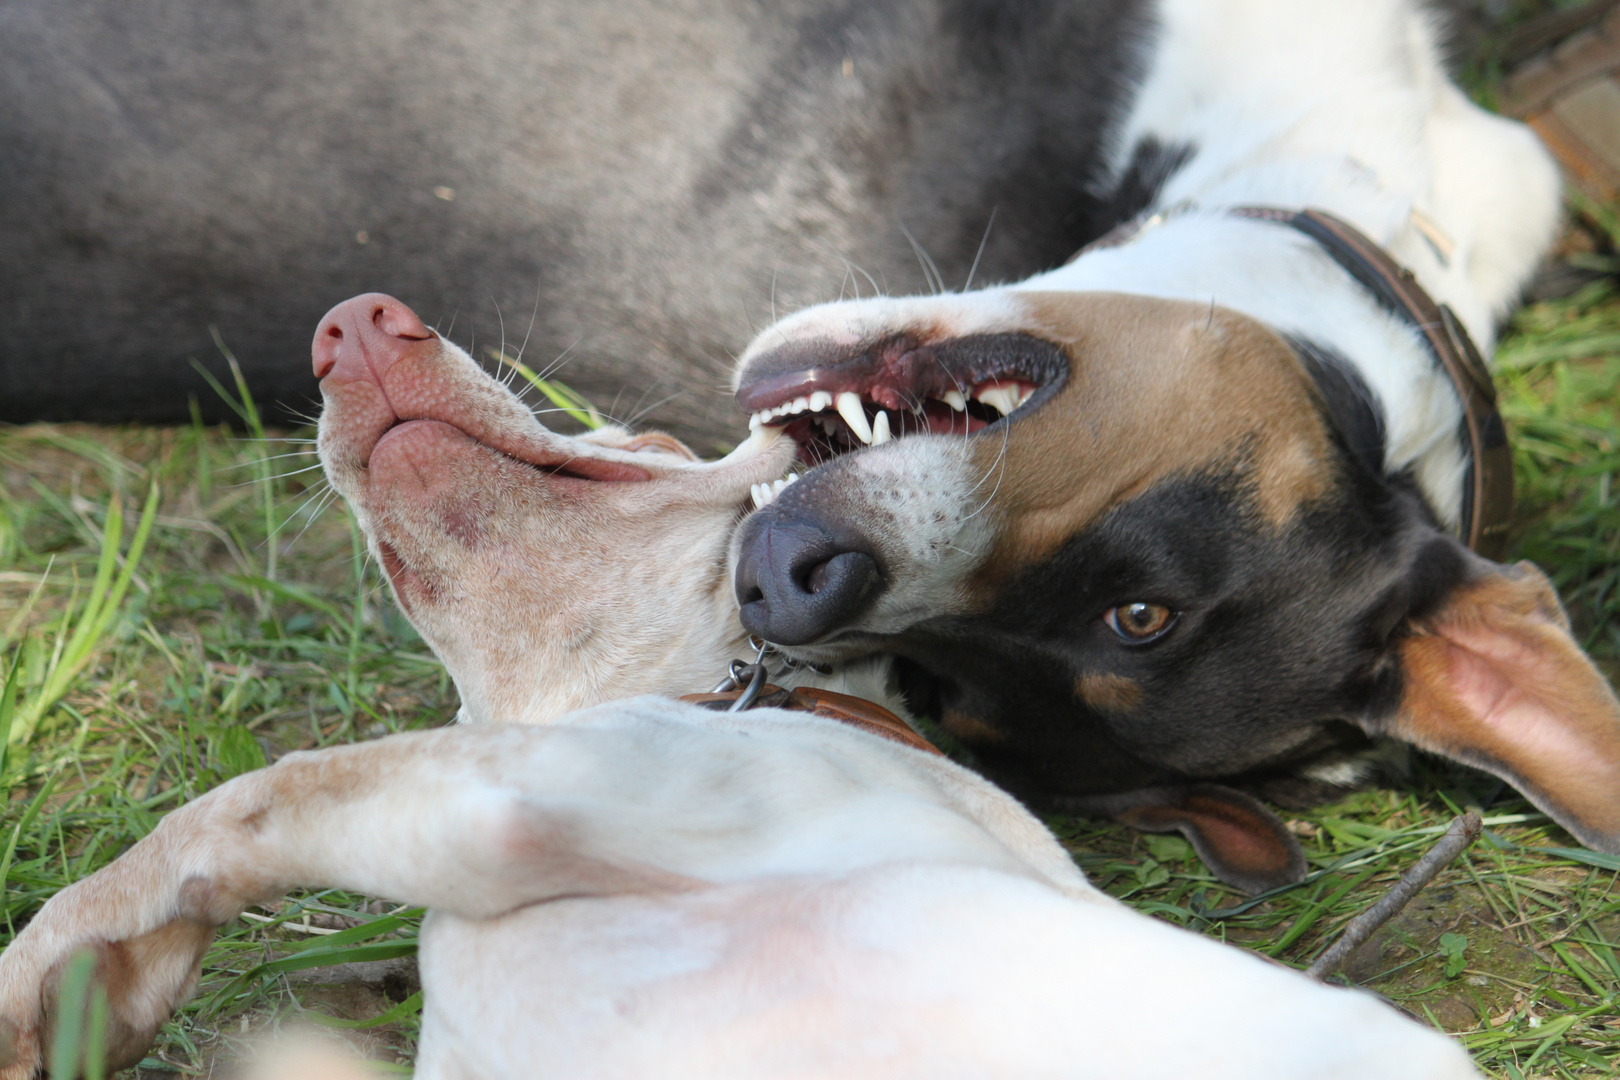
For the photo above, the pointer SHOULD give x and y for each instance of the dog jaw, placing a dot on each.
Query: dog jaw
(1196, 463)
(1196, 431)
(548, 572)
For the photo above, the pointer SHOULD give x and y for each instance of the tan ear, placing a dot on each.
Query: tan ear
(1494, 679)
(1243, 843)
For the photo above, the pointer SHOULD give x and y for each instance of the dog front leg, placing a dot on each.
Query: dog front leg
(442, 819)
(354, 817)
(148, 917)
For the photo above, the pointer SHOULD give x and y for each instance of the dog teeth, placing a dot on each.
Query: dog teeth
(1003, 399)
(766, 493)
(854, 414)
(815, 402)
(761, 437)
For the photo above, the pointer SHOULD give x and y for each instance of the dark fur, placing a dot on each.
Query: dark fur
(168, 168)
(1283, 641)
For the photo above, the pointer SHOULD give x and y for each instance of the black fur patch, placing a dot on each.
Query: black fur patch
(1152, 165)
(1284, 651)
(1348, 402)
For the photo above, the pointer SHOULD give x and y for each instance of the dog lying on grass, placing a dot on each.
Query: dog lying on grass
(647, 887)
(1200, 513)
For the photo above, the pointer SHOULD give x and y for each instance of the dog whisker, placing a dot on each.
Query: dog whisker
(979, 254)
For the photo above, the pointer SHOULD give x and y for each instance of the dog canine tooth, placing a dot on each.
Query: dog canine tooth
(955, 400)
(1003, 399)
(762, 437)
(821, 399)
(854, 414)
(1024, 396)
(759, 438)
(880, 428)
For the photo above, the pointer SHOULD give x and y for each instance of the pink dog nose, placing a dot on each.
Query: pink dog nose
(363, 337)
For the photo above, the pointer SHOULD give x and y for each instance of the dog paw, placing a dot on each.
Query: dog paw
(19, 1051)
(143, 979)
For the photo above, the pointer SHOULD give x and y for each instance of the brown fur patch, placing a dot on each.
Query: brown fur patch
(197, 900)
(969, 728)
(1156, 388)
(1494, 679)
(1110, 693)
(11, 1042)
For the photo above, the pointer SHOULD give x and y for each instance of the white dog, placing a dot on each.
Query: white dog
(648, 887)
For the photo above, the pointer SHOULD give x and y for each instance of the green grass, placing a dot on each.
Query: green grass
(155, 643)
(177, 604)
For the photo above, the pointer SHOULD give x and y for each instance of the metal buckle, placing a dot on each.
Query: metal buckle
(750, 678)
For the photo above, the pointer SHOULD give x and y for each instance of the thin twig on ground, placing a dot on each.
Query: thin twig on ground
(1464, 831)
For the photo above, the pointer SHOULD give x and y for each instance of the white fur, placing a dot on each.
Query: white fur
(652, 889)
(1295, 104)
(1342, 107)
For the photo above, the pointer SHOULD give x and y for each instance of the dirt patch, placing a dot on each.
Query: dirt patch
(1446, 957)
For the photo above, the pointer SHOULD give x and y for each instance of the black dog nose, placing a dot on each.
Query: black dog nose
(796, 582)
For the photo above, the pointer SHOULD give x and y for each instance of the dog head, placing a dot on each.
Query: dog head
(1123, 544)
(548, 572)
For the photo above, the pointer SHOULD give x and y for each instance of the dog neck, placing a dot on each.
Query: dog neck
(1197, 249)
(1284, 280)
(1406, 159)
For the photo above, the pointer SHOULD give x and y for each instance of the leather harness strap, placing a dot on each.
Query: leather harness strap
(854, 711)
(1487, 505)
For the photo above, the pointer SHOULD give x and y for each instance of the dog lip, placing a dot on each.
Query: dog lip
(900, 372)
(771, 392)
(832, 398)
(568, 465)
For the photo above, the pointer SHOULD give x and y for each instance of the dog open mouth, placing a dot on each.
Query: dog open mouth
(843, 401)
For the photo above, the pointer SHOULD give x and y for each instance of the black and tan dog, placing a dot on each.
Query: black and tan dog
(1193, 507)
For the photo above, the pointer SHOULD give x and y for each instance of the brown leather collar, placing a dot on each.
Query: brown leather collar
(1487, 507)
(854, 711)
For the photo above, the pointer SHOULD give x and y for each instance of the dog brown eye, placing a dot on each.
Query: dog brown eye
(1137, 623)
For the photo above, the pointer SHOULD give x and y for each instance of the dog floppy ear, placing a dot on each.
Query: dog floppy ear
(1493, 678)
(1243, 843)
